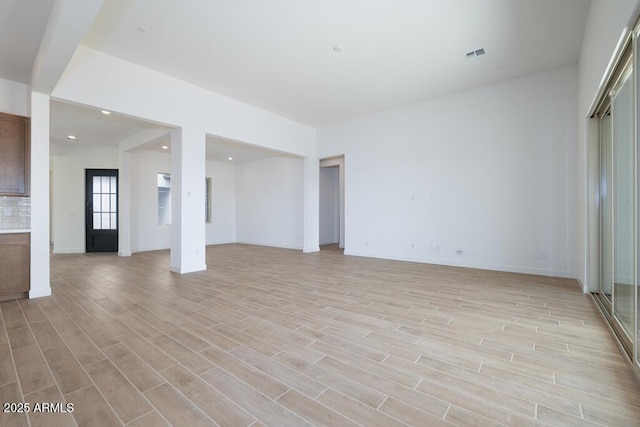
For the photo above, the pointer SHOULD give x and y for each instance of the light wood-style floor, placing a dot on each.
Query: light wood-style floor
(276, 337)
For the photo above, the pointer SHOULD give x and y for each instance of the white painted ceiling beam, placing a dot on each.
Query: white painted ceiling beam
(68, 23)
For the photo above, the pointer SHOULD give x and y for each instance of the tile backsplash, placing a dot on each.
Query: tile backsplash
(15, 212)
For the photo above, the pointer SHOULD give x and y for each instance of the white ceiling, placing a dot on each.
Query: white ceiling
(90, 126)
(279, 54)
(22, 23)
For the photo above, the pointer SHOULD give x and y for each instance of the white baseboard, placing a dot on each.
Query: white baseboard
(478, 265)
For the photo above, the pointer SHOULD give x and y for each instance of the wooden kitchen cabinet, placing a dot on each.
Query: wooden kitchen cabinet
(15, 146)
(14, 265)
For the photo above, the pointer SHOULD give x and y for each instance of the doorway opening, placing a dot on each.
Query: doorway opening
(332, 218)
(101, 218)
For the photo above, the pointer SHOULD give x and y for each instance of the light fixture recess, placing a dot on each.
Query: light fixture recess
(474, 54)
(72, 138)
(229, 158)
(165, 147)
(105, 112)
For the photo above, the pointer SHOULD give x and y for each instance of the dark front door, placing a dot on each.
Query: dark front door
(102, 210)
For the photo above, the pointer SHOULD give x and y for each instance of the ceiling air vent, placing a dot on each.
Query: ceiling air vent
(474, 54)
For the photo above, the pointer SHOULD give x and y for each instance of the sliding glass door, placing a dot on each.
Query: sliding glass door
(615, 228)
(606, 210)
(623, 186)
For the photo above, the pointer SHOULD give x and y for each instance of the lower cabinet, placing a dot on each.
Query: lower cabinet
(14, 265)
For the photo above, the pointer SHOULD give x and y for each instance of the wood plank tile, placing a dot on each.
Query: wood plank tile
(135, 369)
(359, 412)
(11, 312)
(253, 402)
(66, 369)
(312, 411)
(82, 347)
(54, 417)
(358, 391)
(192, 360)
(19, 334)
(123, 397)
(152, 419)
(175, 408)
(290, 377)
(90, 409)
(46, 336)
(10, 393)
(33, 372)
(210, 401)
(56, 315)
(554, 417)
(7, 370)
(410, 415)
(252, 376)
(138, 325)
(211, 336)
(31, 311)
(247, 340)
(148, 352)
(326, 333)
(426, 402)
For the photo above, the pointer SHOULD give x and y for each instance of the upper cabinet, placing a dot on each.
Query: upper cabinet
(15, 143)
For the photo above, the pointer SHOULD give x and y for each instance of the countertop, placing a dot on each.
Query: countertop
(15, 230)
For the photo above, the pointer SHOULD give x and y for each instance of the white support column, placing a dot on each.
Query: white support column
(311, 204)
(124, 204)
(187, 200)
(40, 275)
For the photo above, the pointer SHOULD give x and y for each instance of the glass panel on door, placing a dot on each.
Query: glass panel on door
(606, 209)
(623, 205)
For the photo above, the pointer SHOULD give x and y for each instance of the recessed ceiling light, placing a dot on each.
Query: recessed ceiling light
(105, 112)
(165, 147)
(229, 158)
(337, 49)
(72, 137)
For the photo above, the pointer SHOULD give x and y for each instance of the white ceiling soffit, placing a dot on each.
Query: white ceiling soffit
(22, 24)
(222, 150)
(324, 61)
(91, 127)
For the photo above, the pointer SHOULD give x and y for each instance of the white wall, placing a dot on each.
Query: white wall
(329, 205)
(146, 233)
(140, 92)
(222, 228)
(14, 98)
(605, 24)
(68, 188)
(136, 91)
(269, 202)
(490, 171)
